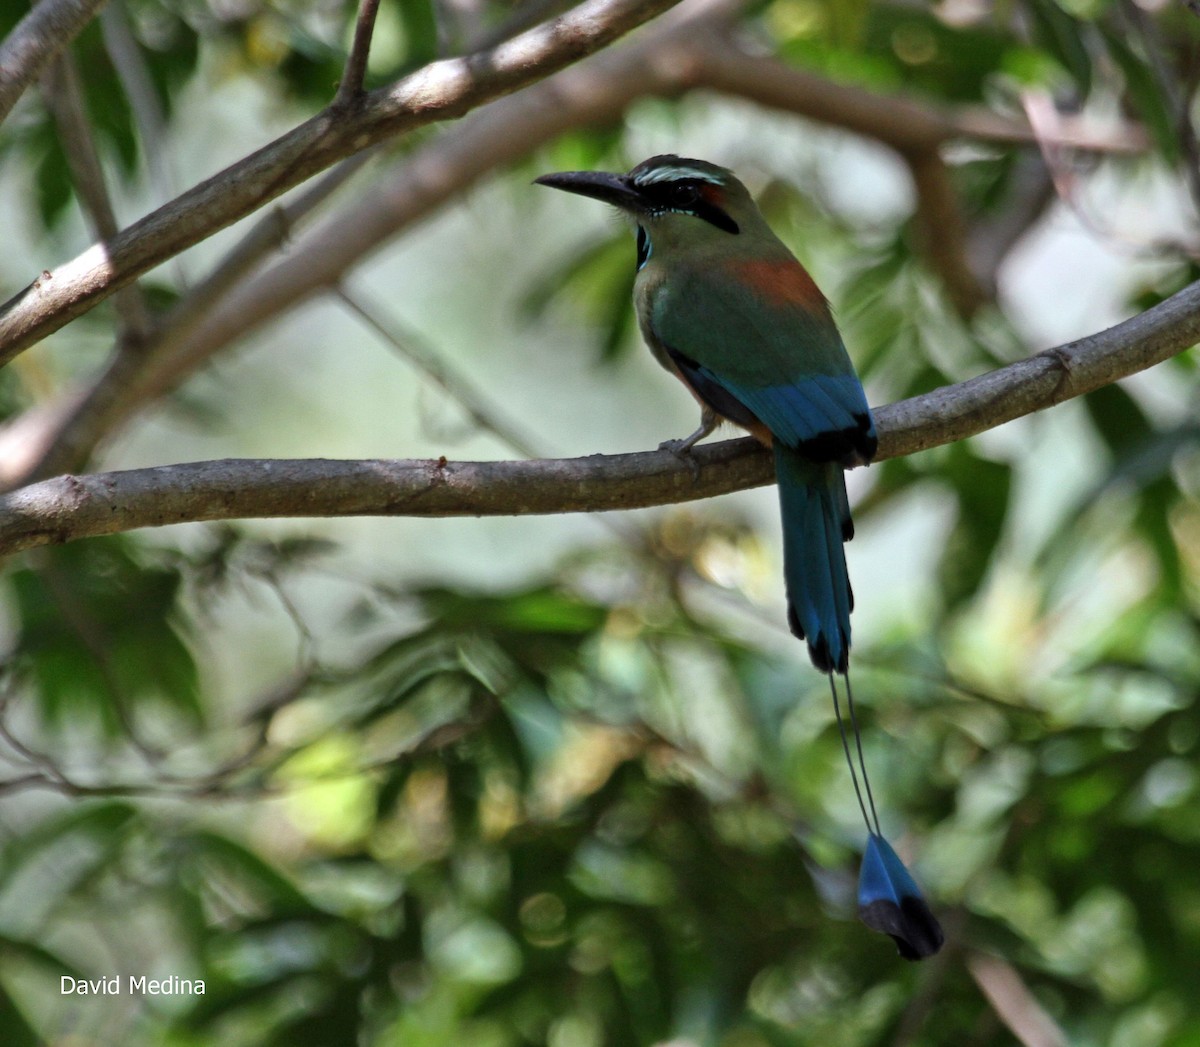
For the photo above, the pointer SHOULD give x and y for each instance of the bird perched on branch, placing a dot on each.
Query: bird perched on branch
(727, 308)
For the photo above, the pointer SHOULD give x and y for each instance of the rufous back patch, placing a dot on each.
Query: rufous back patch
(784, 281)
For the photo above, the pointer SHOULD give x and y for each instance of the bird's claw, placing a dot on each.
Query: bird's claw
(682, 449)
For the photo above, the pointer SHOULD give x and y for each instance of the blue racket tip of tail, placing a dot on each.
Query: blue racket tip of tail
(890, 902)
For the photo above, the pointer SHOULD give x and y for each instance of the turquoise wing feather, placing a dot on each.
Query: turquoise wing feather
(773, 346)
(768, 352)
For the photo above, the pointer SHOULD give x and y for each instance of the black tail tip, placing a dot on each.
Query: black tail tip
(819, 651)
(911, 925)
(890, 902)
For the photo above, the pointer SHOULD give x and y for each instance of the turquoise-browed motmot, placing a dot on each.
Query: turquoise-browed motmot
(727, 308)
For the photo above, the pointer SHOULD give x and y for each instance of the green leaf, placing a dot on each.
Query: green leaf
(35, 954)
(224, 856)
(539, 610)
(97, 635)
(598, 280)
(18, 1032)
(1144, 93)
(1117, 418)
(420, 31)
(1062, 36)
(982, 488)
(79, 845)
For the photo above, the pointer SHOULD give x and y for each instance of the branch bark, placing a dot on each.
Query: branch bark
(71, 507)
(36, 40)
(439, 91)
(1013, 1001)
(355, 73)
(232, 302)
(63, 92)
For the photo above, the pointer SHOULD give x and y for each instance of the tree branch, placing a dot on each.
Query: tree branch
(59, 436)
(70, 507)
(63, 93)
(129, 61)
(37, 38)
(355, 74)
(942, 232)
(917, 131)
(682, 51)
(679, 54)
(907, 124)
(1167, 78)
(409, 346)
(56, 437)
(1015, 1005)
(440, 90)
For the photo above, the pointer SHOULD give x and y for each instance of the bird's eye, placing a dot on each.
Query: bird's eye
(684, 195)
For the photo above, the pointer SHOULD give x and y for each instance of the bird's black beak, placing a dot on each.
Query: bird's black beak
(600, 185)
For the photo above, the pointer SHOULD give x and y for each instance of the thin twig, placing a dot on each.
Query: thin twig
(127, 59)
(1177, 105)
(31, 756)
(92, 635)
(63, 93)
(269, 235)
(36, 40)
(1045, 118)
(479, 410)
(350, 88)
(438, 370)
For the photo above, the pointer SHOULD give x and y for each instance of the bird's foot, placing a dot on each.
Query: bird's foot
(682, 449)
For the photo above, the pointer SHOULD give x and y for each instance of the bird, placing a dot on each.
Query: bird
(726, 307)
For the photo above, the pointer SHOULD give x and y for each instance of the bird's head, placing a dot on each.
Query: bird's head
(675, 201)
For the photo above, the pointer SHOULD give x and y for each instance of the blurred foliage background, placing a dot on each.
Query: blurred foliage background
(568, 781)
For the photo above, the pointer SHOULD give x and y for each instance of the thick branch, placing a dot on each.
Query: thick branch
(38, 37)
(594, 92)
(678, 53)
(906, 124)
(70, 507)
(439, 91)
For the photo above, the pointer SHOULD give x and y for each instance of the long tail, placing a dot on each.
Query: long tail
(816, 523)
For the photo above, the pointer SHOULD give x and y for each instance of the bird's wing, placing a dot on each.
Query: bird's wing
(761, 333)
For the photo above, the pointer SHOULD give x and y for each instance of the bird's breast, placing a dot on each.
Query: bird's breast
(648, 291)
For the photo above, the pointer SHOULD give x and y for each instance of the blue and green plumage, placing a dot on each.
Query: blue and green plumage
(890, 902)
(725, 306)
(748, 331)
